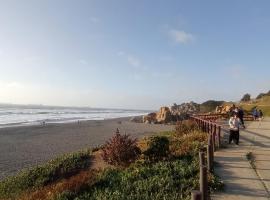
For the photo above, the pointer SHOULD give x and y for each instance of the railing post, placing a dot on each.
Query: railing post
(203, 176)
(196, 195)
(209, 158)
(213, 141)
(219, 137)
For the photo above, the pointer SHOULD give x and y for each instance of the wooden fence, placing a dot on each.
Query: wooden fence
(215, 116)
(206, 155)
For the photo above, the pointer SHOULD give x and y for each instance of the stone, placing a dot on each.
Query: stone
(164, 115)
(150, 118)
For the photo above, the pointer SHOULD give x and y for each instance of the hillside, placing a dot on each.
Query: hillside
(210, 106)
(262, 103)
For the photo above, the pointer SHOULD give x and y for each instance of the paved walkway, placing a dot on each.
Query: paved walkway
(241, 181)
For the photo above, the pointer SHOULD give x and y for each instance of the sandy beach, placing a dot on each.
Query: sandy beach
(22, 147)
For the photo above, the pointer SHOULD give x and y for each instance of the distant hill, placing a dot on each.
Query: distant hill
(262, 102)
(261, 95)
(210, 106)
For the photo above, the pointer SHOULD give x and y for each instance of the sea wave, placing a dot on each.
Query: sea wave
(16, 116)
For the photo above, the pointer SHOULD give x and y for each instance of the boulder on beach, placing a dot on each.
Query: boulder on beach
(150, 118)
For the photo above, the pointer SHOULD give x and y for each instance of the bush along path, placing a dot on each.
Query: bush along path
(165, 166)
(245, 168)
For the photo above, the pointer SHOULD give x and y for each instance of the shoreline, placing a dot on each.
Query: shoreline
(54, 122)
(26, 146)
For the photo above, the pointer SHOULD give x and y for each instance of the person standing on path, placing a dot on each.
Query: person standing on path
(241, 116)
(234, 124)
(260, 115)
(255, 114)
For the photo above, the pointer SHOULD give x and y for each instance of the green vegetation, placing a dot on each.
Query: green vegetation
(61, 167)
(246, 98)
(158, 148)
(162, 180)
(171, 178)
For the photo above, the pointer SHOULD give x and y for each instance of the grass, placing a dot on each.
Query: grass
(162, 180)
(262, 104)
(42, 175)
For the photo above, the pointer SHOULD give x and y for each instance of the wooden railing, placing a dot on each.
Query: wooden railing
(216, 116)
(206, 155)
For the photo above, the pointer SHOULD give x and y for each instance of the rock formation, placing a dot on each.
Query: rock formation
(150, 118)
(224, 109)
(185, 108)
(164, 115)
(173, 113)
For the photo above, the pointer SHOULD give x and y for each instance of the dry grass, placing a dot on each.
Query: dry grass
(73, 184)
(262, 104)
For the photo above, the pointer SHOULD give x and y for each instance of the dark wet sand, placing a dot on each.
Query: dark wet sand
(22, 147)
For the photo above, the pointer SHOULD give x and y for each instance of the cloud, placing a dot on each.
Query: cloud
(135, 62)
(181, 37)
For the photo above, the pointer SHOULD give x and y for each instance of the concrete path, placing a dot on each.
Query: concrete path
(242, 182)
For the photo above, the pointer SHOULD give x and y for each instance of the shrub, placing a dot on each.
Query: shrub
(185, 127)
(61, 167)
(120, 150)
(246, 97)
(158, 148)
(188, 144)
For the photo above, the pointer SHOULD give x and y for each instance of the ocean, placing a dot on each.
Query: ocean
(20, 115)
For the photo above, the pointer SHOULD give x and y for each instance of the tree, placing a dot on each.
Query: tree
(246, 97)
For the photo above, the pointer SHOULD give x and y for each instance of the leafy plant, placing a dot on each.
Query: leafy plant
(120, 150)
(158, 148)
(189, 144)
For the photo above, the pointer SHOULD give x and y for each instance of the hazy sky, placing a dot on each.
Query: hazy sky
(132, 53)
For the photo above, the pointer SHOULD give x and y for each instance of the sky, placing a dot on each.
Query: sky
(138, 54)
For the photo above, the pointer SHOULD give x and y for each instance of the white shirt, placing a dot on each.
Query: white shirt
(234, 123)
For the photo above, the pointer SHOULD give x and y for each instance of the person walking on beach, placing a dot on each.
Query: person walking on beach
(234, 124)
